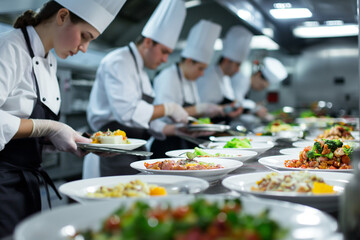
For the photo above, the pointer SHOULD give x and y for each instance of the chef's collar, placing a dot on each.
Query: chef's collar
(36, 43)
(139, 59)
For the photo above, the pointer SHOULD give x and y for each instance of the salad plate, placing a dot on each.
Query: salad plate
(240, 155)
(301, 222)
(210, 175)
(259, 147)
(134, 143)
(243, 184)
(81, 190)
(252, 138)
(278, 162)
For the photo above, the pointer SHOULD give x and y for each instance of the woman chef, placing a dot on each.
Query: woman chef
(177, 83)
(30, 97)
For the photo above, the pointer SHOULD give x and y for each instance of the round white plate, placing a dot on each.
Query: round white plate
(134, 143)
(242, 183)
(258, 147)
(278, 162)
(241, 155)
(303, 144)
(251, 138)
(291, 151)
(78, 190)
(302, 222)
(208, 127)
(209, 175)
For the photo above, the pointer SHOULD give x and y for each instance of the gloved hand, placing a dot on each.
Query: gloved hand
(176, 112)
(209, 109)
(61, 135)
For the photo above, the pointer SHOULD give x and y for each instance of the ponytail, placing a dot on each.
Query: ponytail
(49, 9)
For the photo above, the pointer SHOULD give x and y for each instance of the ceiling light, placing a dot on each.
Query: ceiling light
(263, 42)
(311, 23)
(282, 5)
(288, 13)
(334, 22)
(326, 31)
(193, 3)
(218, 45)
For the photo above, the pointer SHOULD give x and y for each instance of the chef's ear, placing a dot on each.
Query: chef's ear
(62, 15)
(148, 42)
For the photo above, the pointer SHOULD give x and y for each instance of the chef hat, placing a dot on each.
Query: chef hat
(273, 70)
(164, 25)
(236, 44)
(98, 13)
(201, 40)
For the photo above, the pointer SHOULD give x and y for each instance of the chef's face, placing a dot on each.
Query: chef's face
(72, 37)
(194, 69)
(231, 67)
(155, 54)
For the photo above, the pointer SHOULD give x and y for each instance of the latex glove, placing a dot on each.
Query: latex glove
(62, 136)
(209, 109)
(176, 112)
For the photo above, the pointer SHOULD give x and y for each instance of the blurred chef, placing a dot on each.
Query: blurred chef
(30, 96)
(122, 95)
(215, 85)
(177, 82)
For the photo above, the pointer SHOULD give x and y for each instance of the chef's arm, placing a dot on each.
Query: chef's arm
(170, 109)
(25, 129)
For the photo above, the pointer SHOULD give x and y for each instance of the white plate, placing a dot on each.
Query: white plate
(258, 147)
(251, 138)
(208, 127)
(209, 175)
(303, 144)
(78, 190)
(291, 151)
(232, 153)
(242, 183)
(302, 222)
(278, 162)
(134, 143)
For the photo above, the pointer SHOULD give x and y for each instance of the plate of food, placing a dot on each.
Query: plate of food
(210, 169)
(241, 155)
(252, 138)
(291, 151)
(302, 144)
(131, 186)
(242, 144)
(145, 220)
(320, 190)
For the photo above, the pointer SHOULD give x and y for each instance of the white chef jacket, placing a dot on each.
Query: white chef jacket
(117, 91)
(169, 87)
(17, 82)
(214, 86)
(241, 85)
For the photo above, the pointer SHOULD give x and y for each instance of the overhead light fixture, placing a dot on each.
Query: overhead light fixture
(192, 3)
(326, 31)
(282, 5)
(334, 23)
(263, 42)
(289, 13)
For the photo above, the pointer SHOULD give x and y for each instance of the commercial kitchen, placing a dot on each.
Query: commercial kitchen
(303, 121)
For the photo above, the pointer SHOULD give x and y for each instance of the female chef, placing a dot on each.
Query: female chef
(30, 97)
(177, 83)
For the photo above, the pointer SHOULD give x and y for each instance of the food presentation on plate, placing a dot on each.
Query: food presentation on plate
(323, 154)
(252, 138)
(110, 137)
(182, 164)
(337, 132)
(214, 153)
(258, 147)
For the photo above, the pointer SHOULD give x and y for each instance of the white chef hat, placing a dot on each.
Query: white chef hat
(273, 70)
(164, 25)
(201, 40)
(236, 44)
(98, 13)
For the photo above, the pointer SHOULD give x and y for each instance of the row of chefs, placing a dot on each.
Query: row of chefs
(122, 96)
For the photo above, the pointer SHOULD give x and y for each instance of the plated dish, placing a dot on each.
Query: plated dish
(250, 137)
(133, 144)
(278, 162)
(83, 190)
(228, 165)
(291, 151)
(241, 155)
(243, 183)
(258, 147)
(63, 222)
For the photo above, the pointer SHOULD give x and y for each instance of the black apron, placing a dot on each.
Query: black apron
(120, 164)
(20, 170)
(160, 147)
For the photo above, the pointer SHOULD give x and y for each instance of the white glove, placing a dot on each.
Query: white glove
(61, 135)
(209, 109)
(176, 112)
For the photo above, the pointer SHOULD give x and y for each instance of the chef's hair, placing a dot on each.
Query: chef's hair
(139, 40)
(31, 18)
(183, 59)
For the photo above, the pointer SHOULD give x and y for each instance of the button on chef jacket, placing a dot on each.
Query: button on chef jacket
(214, 86)
(17, 83)
(116, 94)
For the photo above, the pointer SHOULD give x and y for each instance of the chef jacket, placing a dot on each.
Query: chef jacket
(17, 82)
(117, 91)
(214, 86)
(170, 87)
(241, 86)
